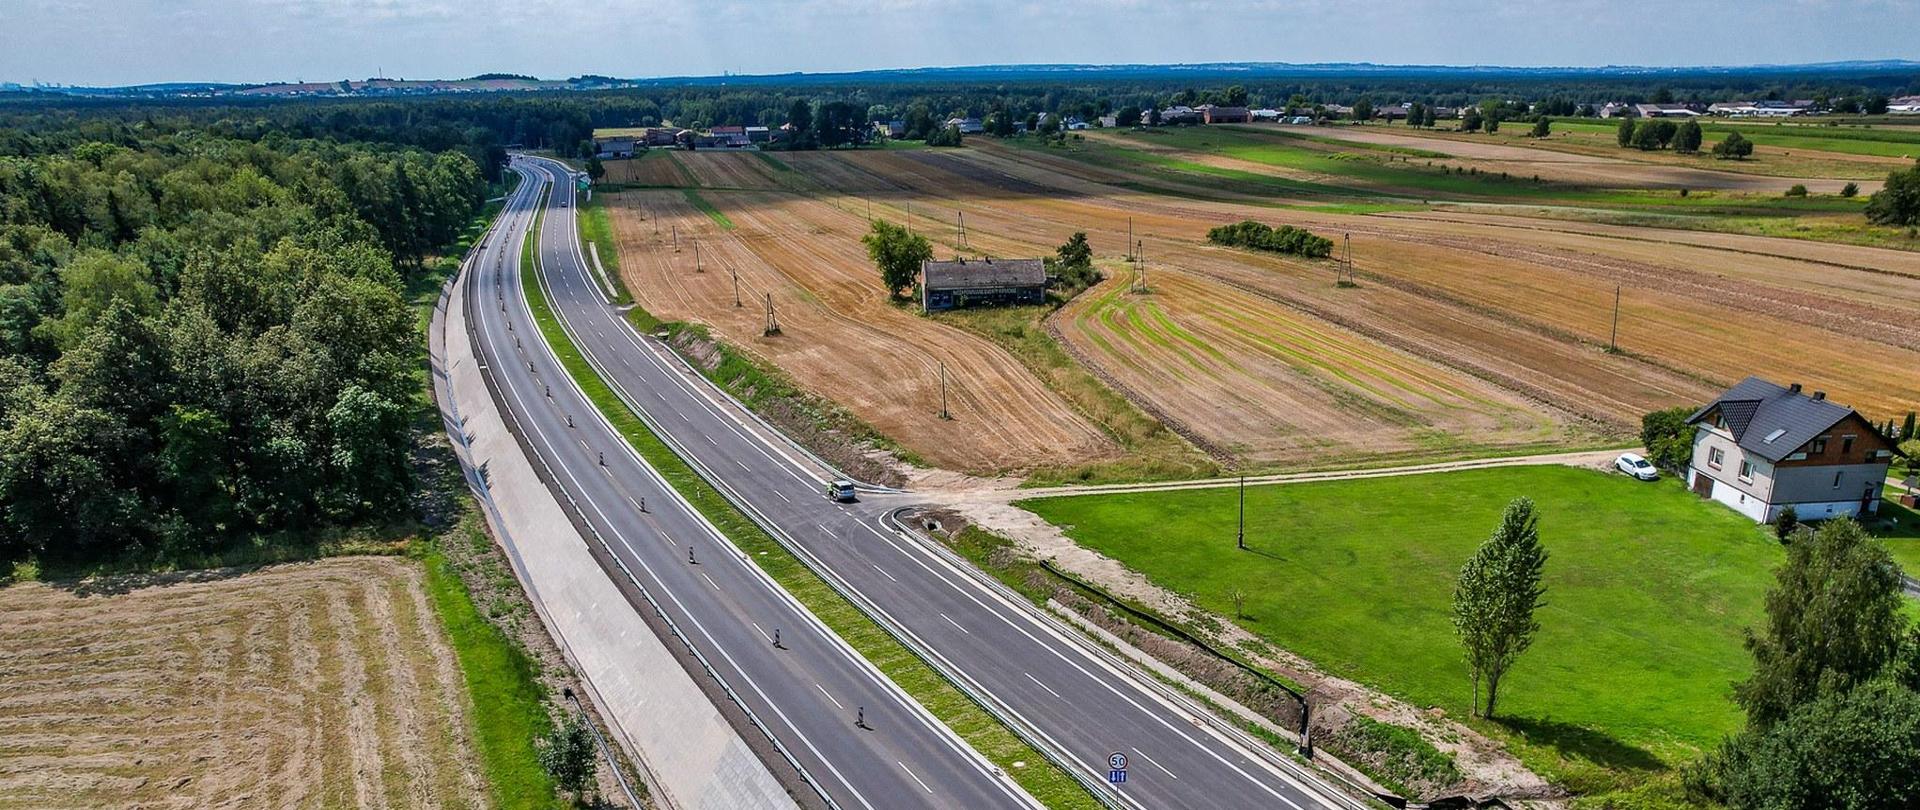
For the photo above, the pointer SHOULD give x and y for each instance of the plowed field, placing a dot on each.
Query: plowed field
(1467, 331)
(327, 684)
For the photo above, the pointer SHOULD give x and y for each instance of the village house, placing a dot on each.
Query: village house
(963, 283)
(1760, 448)
(967, 126)
(613, 148)
(1665, 111)
(1215, 114)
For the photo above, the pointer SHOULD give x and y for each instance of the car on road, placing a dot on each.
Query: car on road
(1637, 466)
(840, 489)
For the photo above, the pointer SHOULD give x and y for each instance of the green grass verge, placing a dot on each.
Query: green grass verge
(719, 217)
(596, 228)
(1047, 783)
(1648, 590)
(507, 711)
(1903, 536)
(1396, 757)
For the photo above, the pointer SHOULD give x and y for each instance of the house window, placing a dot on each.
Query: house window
(1846, 444)
(1819, 445)
(1746, 470)
(1716, 457)
(1836, 479)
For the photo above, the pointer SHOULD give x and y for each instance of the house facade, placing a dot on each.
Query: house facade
(1760, 448)
(982, 282)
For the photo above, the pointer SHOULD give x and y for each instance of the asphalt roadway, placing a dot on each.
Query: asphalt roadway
(1073, 697)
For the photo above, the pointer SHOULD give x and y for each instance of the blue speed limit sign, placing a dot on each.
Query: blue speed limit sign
(1117, 761)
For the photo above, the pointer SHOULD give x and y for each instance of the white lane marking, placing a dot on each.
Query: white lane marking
(823, 690)
(957, 624)
(1036, 682)
(743, 465)
(883, 572)
(1150, 761)
(783, 496)
(709, 440)
(923, 785)
(824, 530)
(716, 585)
(763, 633)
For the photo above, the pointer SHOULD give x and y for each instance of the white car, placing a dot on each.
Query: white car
(1633, 464)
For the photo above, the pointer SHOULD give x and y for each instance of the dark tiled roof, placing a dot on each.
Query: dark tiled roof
(1770, 421)
(961, 274)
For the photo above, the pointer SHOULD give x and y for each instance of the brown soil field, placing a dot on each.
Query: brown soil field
(318, 684)
(840, 337)
(1467, 330)
(1816, 166)
(1584, 170)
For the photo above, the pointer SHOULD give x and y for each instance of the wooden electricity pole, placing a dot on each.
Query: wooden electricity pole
(1241, 537)
(943, 392)
(736, 286)
(773, 324)
(696, 257)
(1613, 340)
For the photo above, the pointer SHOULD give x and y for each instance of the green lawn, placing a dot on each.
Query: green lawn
(596, 229)
(1648, 591)
(1903, 538)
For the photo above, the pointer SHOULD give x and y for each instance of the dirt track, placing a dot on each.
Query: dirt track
(319, 684)
(1506, 317)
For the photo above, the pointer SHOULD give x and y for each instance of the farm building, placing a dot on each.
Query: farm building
(1760, 448)
(613, 148)
(1213, 114)
(963, 283)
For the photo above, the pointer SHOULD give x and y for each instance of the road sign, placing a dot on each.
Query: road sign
(1117, 768)
(1117, 777)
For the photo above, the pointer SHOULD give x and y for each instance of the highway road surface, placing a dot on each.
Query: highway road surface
(1073, 698)
(863, 742)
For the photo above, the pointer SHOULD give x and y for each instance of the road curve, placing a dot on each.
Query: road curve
(1079, 700)
(861, 741)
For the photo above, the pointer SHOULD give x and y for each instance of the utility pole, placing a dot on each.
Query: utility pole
(962, 227)
(1241, 537)
(696, 257)
(1129, 238)
(676, 238)
(1348, 239)
(943, 392)
(773, 325)
(736, 286)
(1613, 340)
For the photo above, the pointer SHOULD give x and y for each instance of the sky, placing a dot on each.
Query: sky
(118, 42)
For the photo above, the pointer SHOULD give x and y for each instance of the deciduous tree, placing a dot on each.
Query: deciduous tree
(1495, 598)
(898, 254)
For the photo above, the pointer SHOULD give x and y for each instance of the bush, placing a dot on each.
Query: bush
(1855, 750)
(1668, 438)
(1850, 190)
(944, 137)
(1797, 190)
(1898, 203)
(1284, 239)
(1784, 525)
(1734, 147)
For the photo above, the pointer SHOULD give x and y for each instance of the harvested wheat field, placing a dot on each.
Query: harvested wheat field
(325, 684)
(839, 336)
(1467, 332)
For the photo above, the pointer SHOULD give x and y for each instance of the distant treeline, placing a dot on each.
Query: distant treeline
(205, 337)
(482, 126)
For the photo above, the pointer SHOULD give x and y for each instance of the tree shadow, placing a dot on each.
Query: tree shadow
(1579, 742)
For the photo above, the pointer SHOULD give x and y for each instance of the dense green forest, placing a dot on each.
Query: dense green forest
(203, 330)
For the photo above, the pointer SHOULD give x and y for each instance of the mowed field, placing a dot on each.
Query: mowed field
(325, 684)
(1468, 332)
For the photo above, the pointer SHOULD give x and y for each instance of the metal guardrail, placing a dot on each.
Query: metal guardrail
(1259, 746)
(1022, 728)
(578, 517)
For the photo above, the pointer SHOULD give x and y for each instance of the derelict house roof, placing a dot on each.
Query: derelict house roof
(1770, 421)
(962, 274)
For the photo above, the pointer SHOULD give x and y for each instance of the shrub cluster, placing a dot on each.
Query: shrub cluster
(1284, 239)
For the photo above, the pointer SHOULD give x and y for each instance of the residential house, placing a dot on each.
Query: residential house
(968, 126)
(1904, 105)
(1614, 109)
(663, 136)
(890, 129)
(759, 135)
(1109, 121)
(1179, 114)
(1760, 448)
(729, 137)
(1265, 114)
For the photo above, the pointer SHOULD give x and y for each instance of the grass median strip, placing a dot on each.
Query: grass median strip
(1052, 786)
(597, 230)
